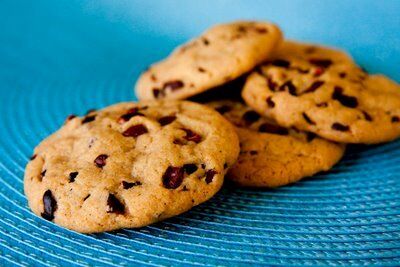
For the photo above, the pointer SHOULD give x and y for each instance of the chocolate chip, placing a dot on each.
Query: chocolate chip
(270, 103)
(178, 142)
(242, 29)
(100, 161)
(135, 131)
(324, 63)
(308, 119)
(395, 119)
(225, 165)
(210, 175)
(223, 109)
(157, 93)
(33, 157)
(173, 177)
(300, 70)
(127, 185)
(200, 69)
(281, 63)
(191, 136)
(251, 116)
(313, 87)
(49, 205)
(87, 119)
(72, 176)
(114, 205)
(273, 129)
(310, 136)
(322, 105)
(289, 86)
(340, 127)
(271, 84)
(261, 30)
(43, 173)
(173, 85)
(345, 100)
(367, 116)
(166, 120)
(129, 114)
(310, 49)
(185, 189)
(203, 166)
(70, 117)
(253, 152)
(86, 197)
(342, 75)
(190, 168)
(205, 41)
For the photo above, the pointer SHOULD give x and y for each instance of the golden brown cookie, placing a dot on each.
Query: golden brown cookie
(129, 165)
(321, 90)
(271, 155)
(219, 55)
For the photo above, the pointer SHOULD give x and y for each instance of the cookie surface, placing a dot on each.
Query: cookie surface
(271, 155)
(221, 54)
(321, 90)
(129, 165)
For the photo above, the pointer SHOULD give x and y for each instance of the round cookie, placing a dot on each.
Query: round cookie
(129, 165)
(221, 54)
(321, 90)
(271, 155)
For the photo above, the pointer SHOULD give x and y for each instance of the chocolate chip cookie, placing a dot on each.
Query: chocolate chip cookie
(271, 155)
(129, 165)
(321, 90)
(219, 55)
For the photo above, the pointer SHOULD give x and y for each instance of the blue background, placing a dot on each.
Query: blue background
(62, 57)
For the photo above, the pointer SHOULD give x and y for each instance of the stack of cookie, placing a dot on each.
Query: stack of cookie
(271, 113)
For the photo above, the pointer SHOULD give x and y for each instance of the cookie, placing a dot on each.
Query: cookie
(221, 54)
(130, 165)
(271, 155)
(321, 90)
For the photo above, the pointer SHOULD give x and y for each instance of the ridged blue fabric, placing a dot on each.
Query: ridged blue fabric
(62, 57)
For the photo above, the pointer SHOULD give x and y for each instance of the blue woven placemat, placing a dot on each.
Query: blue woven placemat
(62, 57)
